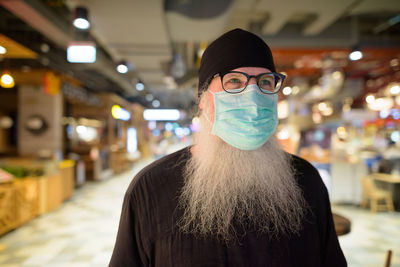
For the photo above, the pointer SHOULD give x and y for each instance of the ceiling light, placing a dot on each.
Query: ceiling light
(325, 108)
(328, 111)
(119, 113)
(6, 80)
(3, 50)
(283, 134)
(322, 106)
(287, 90)
(395, 89)
(81, 52)
(161, 114)
(370, 99)
(44, 48)
(139, 86)
(156, 103)
(394, 62)
(81, 18)
(81, 24)
(381, 104)
(122, 67)
(356, 54)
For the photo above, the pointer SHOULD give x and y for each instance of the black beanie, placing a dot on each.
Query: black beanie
(234, 49)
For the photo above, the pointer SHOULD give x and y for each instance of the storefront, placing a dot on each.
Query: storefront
(55, 136)
(346, 122)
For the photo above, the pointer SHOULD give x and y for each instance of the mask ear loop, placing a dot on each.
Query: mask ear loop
(205, 115)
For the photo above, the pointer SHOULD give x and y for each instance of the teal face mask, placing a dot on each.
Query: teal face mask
(245, 120)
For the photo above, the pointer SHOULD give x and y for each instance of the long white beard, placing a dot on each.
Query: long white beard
(225, 186)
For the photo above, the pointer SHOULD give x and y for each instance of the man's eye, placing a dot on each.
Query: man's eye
(265, 82)
(234, 80)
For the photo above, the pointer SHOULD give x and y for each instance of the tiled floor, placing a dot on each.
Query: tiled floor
(372, 234)
(81, 233)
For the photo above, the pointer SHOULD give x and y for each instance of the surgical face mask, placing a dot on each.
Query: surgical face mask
(245, 120)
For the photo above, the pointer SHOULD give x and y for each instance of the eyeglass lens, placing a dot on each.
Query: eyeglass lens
(268, 83)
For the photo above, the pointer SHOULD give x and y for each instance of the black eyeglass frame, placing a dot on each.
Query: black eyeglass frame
(280, 75)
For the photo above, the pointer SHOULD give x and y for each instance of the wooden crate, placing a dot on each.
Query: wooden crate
(24, 199)
(67, 171)
(50, 192)
(8, 219)
(27, 199)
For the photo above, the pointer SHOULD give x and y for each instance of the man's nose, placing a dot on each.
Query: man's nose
(253, 80)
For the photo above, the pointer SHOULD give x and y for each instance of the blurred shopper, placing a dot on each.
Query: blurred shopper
(234, 198)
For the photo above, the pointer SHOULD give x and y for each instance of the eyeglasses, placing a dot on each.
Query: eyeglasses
(234, 82)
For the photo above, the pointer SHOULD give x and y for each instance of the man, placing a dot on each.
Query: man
(234, 198)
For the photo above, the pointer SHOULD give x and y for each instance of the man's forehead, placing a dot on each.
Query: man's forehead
(252, 70)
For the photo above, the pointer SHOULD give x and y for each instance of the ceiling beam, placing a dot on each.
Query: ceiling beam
(275, 23)
(37, 15)
(40, 18)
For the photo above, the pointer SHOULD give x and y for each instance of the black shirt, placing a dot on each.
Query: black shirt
(148, 234)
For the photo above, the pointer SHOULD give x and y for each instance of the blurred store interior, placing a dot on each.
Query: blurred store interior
(93, 90)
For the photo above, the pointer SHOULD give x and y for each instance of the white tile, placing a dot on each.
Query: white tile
(61, 264)
(27, 251)
(38, 259)
(78, 264)
(102, 258)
